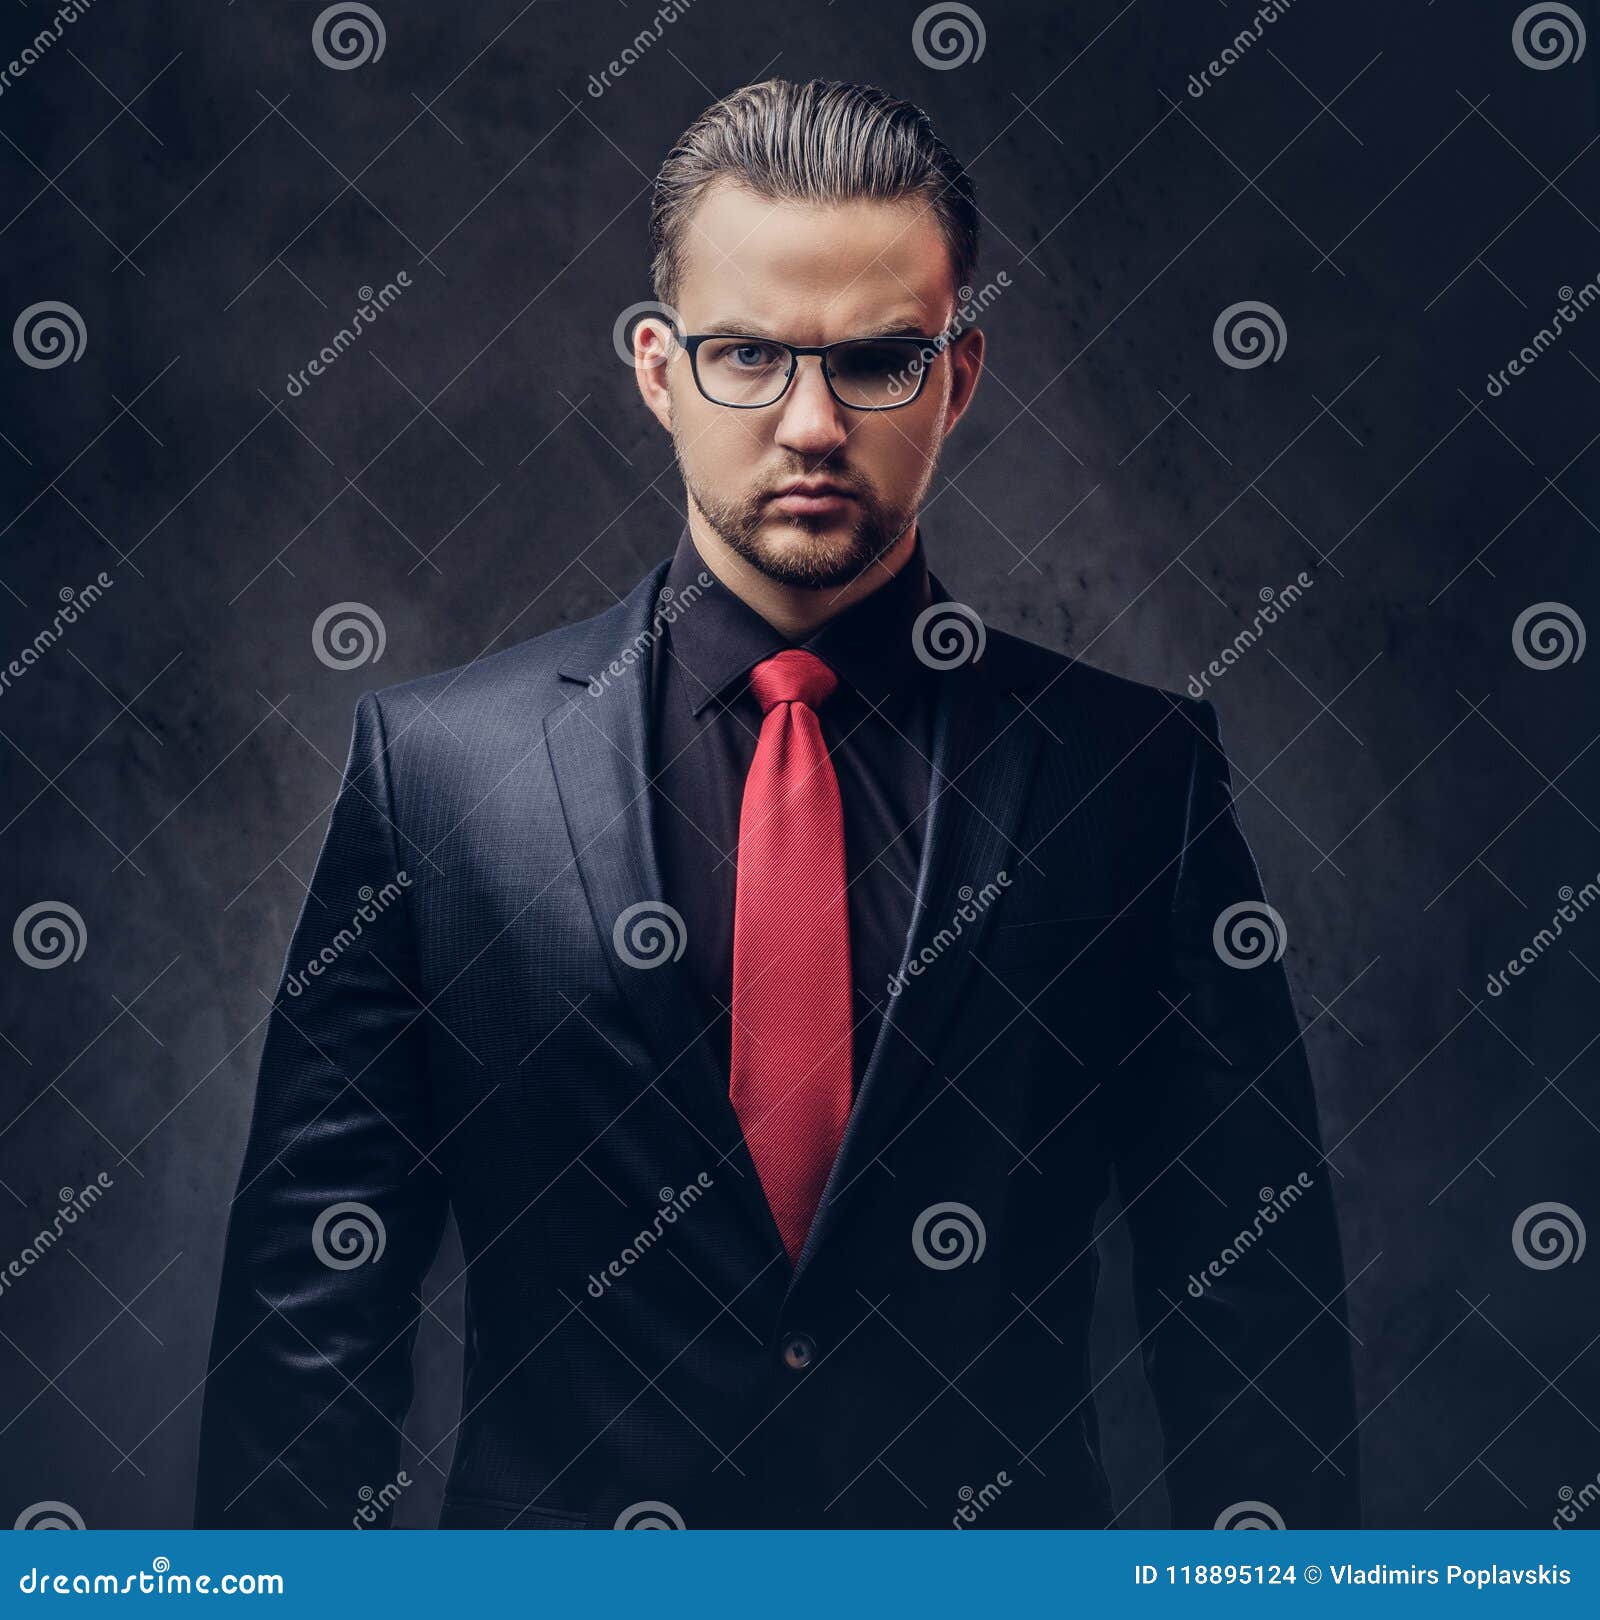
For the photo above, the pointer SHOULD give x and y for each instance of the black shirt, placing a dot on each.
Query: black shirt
(877, 724)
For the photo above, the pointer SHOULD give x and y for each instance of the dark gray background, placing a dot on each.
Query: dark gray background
(1389, 176)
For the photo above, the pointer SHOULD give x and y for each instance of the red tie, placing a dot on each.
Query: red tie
(791, 1048)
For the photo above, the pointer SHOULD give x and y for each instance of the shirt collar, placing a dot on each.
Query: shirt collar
(717, 638)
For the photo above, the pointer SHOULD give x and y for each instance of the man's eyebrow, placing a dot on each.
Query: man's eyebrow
(743, 326)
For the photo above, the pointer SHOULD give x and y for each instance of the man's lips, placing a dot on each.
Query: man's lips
(808, 499)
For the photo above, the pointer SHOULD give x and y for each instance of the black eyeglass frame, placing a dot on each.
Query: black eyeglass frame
(690, 343)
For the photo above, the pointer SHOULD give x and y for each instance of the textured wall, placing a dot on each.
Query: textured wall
(1402, 188)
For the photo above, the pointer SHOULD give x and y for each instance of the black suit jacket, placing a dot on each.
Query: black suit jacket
(473, 1035)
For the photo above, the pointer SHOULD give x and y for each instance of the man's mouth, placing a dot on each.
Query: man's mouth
(812, 497)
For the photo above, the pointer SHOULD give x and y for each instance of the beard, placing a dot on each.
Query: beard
(823, 557)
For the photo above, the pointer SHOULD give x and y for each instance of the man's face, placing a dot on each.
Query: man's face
(810, 275)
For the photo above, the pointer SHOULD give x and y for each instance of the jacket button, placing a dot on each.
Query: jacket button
(799, 1351)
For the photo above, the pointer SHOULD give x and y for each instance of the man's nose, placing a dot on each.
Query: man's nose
(813, 420)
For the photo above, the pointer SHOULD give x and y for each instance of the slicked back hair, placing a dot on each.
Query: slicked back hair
(819, 142)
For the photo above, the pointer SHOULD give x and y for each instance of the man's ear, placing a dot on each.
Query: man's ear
(652, 349)
(966, 366)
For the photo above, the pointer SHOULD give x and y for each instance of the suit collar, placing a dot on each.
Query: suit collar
(869, 645)
(985, 745)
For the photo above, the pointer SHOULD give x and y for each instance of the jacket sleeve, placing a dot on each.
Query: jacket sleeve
(338, 1211)
(1238, 1273)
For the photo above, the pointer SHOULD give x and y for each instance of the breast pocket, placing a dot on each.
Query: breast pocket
(1085, 938)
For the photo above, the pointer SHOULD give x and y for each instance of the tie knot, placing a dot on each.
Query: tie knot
(792, 676)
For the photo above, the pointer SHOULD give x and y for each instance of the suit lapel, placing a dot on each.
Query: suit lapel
(985, 746)
(599, 751)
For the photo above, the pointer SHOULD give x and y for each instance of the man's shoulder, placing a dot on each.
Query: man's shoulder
(527, 675)
(1063, 690)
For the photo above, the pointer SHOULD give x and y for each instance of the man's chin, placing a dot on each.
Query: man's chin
(810, 554)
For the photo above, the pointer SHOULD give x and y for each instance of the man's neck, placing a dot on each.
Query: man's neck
(795, 611)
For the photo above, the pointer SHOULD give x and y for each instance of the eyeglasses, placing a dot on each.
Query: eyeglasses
(864, 374)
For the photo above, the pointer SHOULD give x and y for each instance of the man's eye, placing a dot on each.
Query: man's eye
(752, 355)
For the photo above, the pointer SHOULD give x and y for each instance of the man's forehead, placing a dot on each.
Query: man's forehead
(775, 258)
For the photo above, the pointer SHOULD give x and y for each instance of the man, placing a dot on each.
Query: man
(772, 974)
